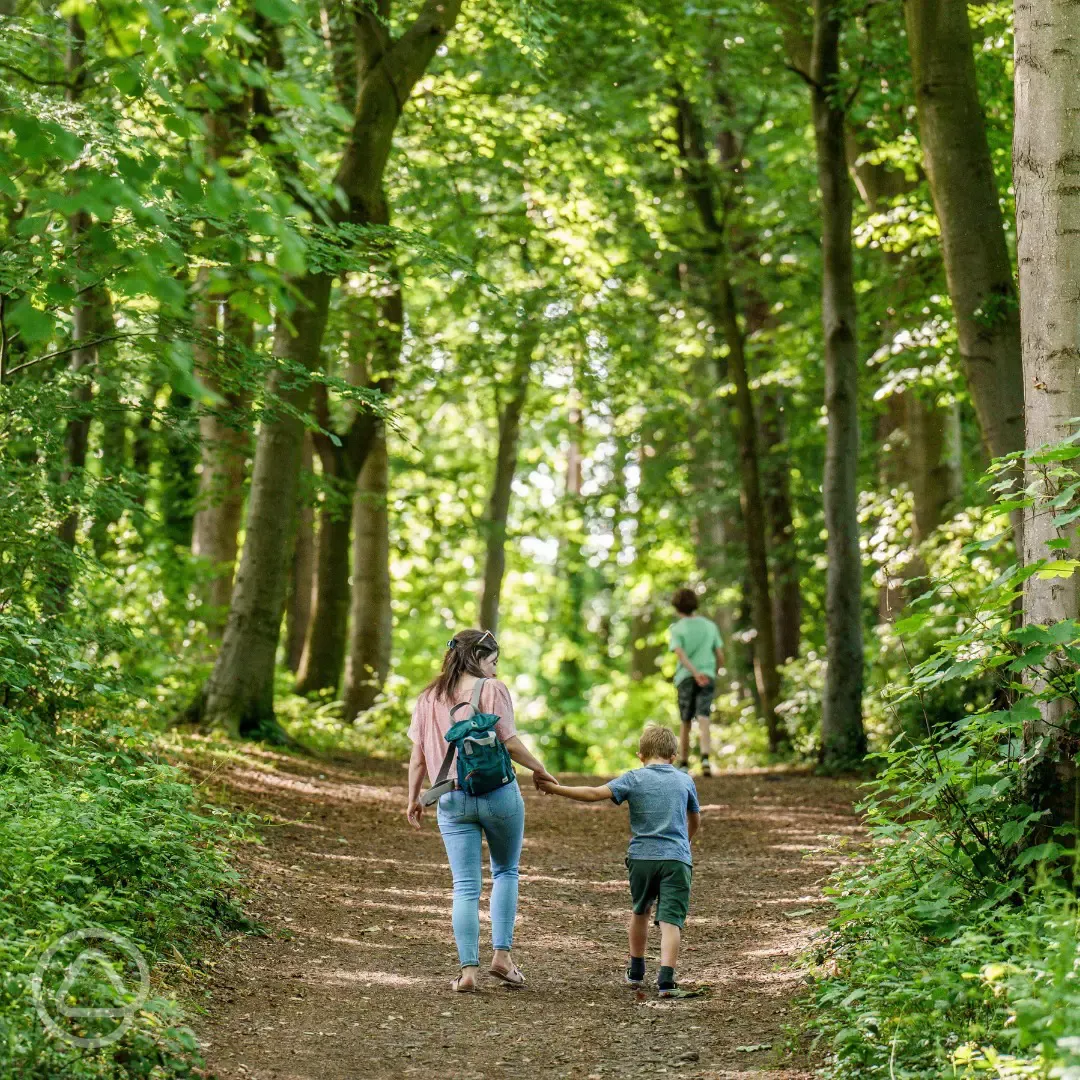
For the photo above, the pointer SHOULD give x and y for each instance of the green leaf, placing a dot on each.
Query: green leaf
(912, 623)
(1062, 568)
(34, 324)
(277, 11)
(1039, 853)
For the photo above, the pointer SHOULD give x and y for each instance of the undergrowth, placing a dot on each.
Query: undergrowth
(96, 831)
(954, 949)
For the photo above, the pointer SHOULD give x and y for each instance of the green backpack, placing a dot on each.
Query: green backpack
(483, 763)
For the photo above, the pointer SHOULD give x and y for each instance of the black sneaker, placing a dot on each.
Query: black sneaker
(706, 769)
(668, 991)
(635, 983)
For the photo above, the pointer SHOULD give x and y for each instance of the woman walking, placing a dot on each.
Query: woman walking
(471, 657)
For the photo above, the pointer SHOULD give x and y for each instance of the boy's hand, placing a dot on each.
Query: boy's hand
(702, 679)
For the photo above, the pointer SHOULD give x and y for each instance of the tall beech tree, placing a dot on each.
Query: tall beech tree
(240, 692)
(1046, 170)
(952, 133)
(783, 544)
(367, 662)
(843, 738)
(742, 414)
(223, 344)
(367, 659)
(302, 568)
(510, 412)
(324, 646)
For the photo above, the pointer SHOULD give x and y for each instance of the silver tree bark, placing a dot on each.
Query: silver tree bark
(1046, 173)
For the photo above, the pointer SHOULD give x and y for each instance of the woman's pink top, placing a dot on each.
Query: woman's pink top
(431, 721)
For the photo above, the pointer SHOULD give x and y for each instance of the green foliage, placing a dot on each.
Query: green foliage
(955, 941)
(95, 831)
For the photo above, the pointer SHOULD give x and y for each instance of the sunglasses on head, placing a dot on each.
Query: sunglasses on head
(453, 642)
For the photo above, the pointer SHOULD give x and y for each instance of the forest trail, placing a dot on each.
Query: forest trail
(352, 981)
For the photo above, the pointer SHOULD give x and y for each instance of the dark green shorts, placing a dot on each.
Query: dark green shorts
(665, 881)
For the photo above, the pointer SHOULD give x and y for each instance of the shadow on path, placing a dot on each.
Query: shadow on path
(353, 980)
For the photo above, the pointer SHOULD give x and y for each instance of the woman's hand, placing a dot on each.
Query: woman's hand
(541, 777)
(414, 812)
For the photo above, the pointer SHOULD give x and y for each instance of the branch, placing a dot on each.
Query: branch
(371, 36)
(812, 83)
(73, 348)
(412, 52)
(284, 162)
(33, 78)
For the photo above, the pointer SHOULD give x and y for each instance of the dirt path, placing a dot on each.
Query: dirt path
(352, 982)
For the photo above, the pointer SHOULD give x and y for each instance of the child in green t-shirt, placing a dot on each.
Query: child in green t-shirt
(697, 644)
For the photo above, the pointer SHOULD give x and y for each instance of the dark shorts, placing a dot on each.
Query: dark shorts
(665, 881)
(694, 700)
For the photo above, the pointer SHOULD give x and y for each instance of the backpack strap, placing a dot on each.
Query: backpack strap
(474, 703)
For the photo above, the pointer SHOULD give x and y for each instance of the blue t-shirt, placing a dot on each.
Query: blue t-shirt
(660, 797)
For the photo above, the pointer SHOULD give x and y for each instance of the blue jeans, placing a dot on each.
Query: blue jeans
(463, 820)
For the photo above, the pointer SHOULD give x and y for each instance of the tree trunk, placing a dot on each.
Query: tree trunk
(503, 482)
(324, 648)
(952, 131)
(240, 693)
(298, 613)
(783, 550)
(113, 445)
(1046, 172)
(710, 527)
(179, 482)
(843, 739)
(930, 463)
(744, 421)
(224, 445)
(368, 662)
(645, 650)
(86, 323)
(699, 181)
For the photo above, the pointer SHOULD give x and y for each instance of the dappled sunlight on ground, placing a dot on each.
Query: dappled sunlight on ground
(354, 978)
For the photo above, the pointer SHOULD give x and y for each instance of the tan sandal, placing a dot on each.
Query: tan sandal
(513, 978)
(457, 988)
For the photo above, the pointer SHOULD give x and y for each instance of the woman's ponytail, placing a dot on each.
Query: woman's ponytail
(464, 651)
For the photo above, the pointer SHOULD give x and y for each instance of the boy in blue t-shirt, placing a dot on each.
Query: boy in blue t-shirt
(664, 817)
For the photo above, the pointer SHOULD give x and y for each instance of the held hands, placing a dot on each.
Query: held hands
(544, 781)
(414, 812)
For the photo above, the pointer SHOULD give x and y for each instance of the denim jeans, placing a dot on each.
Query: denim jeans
(463, 820)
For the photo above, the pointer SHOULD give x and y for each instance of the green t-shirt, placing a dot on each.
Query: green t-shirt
(699, 639)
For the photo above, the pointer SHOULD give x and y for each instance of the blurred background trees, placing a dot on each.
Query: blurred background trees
(329, 328)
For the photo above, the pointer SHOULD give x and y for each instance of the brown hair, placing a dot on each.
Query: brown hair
(464, 651)
(658, 741)
(685, 601)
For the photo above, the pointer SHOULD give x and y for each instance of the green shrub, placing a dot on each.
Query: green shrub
(954, 947)
(97, 832)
